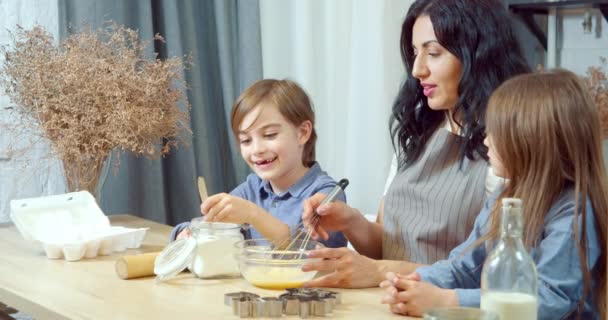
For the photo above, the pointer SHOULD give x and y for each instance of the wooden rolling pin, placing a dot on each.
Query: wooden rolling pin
(136, 266)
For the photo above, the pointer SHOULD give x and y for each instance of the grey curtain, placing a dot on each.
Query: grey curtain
(223, 37)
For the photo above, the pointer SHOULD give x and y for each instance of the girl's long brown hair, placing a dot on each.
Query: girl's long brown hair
(545, 130)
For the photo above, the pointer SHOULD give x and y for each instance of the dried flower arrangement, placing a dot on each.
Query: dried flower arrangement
(92, 94)
(596, 80)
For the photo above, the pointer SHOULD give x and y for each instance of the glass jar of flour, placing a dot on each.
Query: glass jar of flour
(208, 252)
(215, 248)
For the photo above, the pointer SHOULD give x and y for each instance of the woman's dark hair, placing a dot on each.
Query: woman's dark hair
(479, 34)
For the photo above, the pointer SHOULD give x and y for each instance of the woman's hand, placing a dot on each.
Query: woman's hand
(335, 216)
(348, 269)
(223, 207)
(407, 295)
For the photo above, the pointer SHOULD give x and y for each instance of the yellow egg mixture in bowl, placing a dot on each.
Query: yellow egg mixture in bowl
(268, 267)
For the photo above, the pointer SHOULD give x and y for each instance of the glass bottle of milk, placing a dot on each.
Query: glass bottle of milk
(509, 279)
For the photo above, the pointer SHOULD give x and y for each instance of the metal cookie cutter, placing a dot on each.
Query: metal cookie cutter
(243, 304)
(229, 298)
(305, 307)
(303, 302)
(273, 307)
(321, 307)
(250, 305)
(291, 304)
(307, 302)
(314, 293)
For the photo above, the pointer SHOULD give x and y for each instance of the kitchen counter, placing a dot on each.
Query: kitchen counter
(90, 288)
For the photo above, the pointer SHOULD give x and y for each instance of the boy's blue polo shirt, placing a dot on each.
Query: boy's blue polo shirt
(285, 206)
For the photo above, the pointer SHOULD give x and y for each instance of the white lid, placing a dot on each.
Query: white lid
(175, 258)
(58, 218)
(200, 223)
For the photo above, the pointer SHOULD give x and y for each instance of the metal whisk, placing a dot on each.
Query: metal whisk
(313, 221)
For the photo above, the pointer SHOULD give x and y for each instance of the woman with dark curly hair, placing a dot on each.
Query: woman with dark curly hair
(456, 52)
(554, 166)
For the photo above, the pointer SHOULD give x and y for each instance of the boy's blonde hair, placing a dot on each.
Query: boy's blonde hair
(291, 101)
(545, 130)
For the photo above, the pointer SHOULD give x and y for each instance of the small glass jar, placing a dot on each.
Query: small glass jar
(209, 251)
(215, 248)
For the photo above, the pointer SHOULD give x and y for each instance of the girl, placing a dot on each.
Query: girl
(273, 121)
(456, 52)
(544, 137)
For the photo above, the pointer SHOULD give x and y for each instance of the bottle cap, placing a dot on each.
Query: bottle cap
(511, 202)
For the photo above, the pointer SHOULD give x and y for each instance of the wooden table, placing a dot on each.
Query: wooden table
(90, 289)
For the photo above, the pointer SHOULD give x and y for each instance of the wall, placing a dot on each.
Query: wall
(578, 50)
(26, 168)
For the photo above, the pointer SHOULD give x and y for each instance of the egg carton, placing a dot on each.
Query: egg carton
(71, 226)
(115, 239)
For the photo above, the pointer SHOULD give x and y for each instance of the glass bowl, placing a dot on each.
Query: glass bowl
(265, 266)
